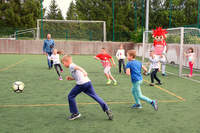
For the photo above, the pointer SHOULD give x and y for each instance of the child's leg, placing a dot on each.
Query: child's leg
(60, 67)
(120, 64)
(139, 93)
(71, 98)
(134, 92)
(152, 76)
(191, 68)
(89, 90)
(123, 62)
(111, 77)
(163, 68)
(56, 67)
(155, 76)
(106, 70)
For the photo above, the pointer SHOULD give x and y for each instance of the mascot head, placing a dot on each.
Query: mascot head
(159, 34)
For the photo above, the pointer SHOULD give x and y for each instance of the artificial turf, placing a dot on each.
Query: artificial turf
(42, 107)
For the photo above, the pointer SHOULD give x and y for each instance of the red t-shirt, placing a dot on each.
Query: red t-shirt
(105, 59)
(159, 46)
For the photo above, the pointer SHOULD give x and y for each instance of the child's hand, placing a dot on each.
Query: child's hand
(114, 65)
(85, 74)
(69, 78)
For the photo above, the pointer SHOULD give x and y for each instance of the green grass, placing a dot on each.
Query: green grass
(43, 87)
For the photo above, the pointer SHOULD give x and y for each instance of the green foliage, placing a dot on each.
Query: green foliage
(54, 11)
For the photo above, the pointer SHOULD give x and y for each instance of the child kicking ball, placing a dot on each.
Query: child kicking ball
(134, 69)
(83, 84)
(105, 58)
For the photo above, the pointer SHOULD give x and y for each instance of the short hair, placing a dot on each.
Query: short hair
(66, 57)
(191, 49)
(103, 48)
(132, 53)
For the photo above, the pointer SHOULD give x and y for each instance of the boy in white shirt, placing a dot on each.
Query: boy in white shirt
(83, 84)
(121, 57)
(56, 62)
(155, 64)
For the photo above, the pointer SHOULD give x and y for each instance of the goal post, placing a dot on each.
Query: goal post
(73, 29)
(178, 41)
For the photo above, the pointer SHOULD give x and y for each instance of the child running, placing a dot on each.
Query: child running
(56, 62)
(155, 64)
(121, 57)
(105, 58)
(134, 69)
(190, 55)
(83, 84)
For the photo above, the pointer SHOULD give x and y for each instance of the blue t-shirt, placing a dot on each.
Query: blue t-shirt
(48, 45)
(135, 69)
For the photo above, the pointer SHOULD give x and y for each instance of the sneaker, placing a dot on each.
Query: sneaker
(151, 84)
(158, 83)
(74, 116)
(109, 114)
(155, 105)
(164, 74)
(115, 83)
(108, 82)
(60, 78)
(136, 106)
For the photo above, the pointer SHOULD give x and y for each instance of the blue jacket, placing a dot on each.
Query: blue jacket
(48, 46)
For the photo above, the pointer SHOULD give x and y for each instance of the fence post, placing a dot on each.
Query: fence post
(66, 35)
(181, 52)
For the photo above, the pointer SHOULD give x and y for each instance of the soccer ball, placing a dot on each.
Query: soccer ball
(18, 86)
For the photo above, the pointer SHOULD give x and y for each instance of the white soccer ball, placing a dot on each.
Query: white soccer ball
(18, 86)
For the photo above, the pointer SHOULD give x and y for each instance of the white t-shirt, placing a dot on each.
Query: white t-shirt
(55, 58)
(78, 75)
(155, 61)
(120, 54)
(190, 57)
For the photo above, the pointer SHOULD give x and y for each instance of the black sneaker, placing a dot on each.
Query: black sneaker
(158, 83)
(109, 114)
(74, 116)
(151, 84)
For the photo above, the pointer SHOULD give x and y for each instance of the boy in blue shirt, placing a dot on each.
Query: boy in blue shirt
(134, 69)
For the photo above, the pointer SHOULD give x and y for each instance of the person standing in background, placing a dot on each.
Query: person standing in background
(48, 49)
(121, 57)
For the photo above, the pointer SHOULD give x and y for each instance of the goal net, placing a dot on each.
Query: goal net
(72, 29)
(179, 40)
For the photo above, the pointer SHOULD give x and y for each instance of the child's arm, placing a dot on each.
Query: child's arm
(128, 71)
(113, 62)
(144, 68)
(81, 69)
(97, 58)
(117, 54)
(69, 78)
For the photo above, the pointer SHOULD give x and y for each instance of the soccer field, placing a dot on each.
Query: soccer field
(43, 106)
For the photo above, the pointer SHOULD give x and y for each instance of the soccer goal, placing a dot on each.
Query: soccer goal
(72, 29)
(178, 41)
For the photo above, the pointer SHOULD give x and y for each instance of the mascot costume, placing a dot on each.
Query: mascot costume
(160, 47)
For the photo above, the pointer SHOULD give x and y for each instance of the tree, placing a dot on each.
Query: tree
(54, 11)
(71, 13)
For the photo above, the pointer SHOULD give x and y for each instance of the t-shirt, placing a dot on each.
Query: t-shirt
(190, 57)
(159, 47)
(105, 59)
(135, 69)
(120, 54)
(155, 61)
(78, 75)
(55, 58)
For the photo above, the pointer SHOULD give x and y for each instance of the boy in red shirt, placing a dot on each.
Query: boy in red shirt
(105, 60)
